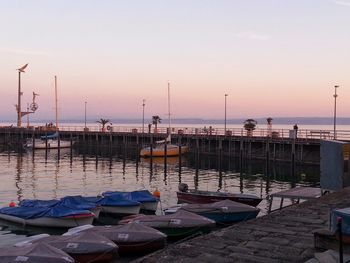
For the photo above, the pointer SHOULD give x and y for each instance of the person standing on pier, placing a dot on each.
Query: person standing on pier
(295, 127)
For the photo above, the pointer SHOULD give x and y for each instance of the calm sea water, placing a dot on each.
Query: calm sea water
(47, 175)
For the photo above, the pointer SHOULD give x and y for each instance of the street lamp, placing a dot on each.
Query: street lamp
(18, 106)
(225, 111)
(85, 113)
(143, 115)
(335, 110)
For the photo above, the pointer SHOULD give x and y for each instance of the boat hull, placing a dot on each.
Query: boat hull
(175, 233)
(51, 144)
(121, 210)
(172, 150)
(72, 221)
(149, 206)
(140, 248)
(94, 257)
(210, 197)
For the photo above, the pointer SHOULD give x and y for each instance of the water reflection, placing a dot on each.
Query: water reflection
(53, 174)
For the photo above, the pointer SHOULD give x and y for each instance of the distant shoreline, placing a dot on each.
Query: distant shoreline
(279, 120)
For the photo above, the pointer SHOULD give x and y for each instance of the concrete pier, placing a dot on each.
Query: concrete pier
(283, 236)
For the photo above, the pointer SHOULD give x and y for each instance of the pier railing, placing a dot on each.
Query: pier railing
(274, 133)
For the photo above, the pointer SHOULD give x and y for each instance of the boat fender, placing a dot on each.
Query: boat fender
(12, 204)
(183, 187)
(156, 193)
(109, 128)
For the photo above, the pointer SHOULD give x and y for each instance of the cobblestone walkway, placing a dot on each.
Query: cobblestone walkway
(283, 236)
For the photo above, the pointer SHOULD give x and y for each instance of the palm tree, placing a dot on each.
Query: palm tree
(103, 122)
(250, 125)
(155, 120)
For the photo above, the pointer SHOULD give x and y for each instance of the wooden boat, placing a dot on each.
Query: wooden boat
(222, 212)
(192, 196)
(34, 253)
(178, 225)
(131, 238)
(147, 200)
(82, 247)
(57, 216)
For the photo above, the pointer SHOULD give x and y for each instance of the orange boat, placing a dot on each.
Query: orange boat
(161, 150)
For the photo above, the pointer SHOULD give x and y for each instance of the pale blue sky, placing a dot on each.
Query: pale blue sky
(273, 58)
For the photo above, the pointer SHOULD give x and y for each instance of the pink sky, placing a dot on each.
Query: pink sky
(272, 59)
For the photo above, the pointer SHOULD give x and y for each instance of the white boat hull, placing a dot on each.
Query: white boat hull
(96, 211)
(51, 144)
(149, 206)
(50, 221)
(121, 210)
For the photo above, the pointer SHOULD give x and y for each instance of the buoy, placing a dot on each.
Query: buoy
(109, 128)
(12, 204)
(156, 193)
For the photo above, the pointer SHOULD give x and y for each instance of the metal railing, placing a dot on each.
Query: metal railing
(275, 133)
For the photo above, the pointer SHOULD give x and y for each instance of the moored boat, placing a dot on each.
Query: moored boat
(56, 216)
(34, 253)
(147, 200)
(222, 212)
(83, 246)
(74, 202)
(175, 226)
(192, 196)
(131, 238)
(160, 150)
(116, 205)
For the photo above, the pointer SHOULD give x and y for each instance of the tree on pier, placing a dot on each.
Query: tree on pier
(250, 125)
(103, 122)
(155, 120)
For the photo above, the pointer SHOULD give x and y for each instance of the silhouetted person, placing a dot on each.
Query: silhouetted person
(295, 127)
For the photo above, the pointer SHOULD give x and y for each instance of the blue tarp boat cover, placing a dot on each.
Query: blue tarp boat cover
(78, 201)
(75, 202)
(344, 213)
(113, 200)
(50, 136)
(38, 203)
(138, 196)
(36, 212)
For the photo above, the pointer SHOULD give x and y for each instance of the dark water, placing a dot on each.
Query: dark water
(47, 175)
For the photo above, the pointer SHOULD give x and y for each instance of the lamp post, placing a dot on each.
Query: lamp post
(19, 111)
(335, 111)
(85, 113)
(225, 111)
(143, 115)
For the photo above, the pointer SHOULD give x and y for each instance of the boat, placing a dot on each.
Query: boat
(34, 253)
(192, 196)
(131, 238)
(147, 200)
(74, 202)
(82, 247)
(56, 216)
(222, 212)
(176, 226)
(164, 147)
(116, 205)
(48, 142)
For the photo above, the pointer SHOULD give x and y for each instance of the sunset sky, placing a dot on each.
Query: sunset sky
(275, 58)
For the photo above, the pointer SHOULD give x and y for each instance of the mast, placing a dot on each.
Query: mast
(56, 103)
(169, 107)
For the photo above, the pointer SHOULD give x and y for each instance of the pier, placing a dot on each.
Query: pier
(279, 145)
(282, 236)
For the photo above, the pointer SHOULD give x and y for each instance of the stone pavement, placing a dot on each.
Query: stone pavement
(282, 236)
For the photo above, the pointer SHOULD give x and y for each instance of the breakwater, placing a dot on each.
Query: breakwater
(296, 150)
